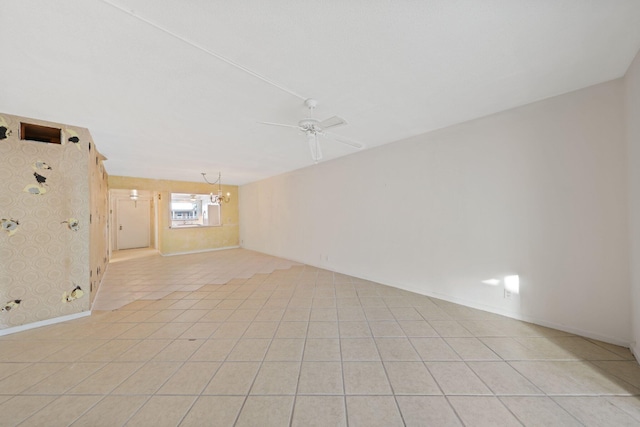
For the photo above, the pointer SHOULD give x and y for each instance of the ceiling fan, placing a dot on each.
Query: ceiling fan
(313, 128)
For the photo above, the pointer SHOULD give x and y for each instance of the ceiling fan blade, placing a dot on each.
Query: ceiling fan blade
(344, 140)
(280, 124)
(332, 122)
(314, 145)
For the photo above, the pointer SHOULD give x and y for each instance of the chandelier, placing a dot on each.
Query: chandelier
(217, 198)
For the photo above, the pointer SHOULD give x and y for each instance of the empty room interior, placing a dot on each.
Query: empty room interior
(330, 213)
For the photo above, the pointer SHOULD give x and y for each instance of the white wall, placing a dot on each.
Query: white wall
(632, 109)
(540, 191)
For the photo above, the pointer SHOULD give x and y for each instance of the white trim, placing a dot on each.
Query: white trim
(517, 316)
(41, 323)
(635, 349)
(512, 315)
(156, 214)
(200, 251)
(587, 334)
(100, 284)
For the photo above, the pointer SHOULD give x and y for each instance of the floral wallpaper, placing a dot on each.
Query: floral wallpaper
(49, 218)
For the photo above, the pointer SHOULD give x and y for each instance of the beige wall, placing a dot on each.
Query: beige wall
(632, 127)
(174, 241)
(99, 219)
(539, 191)
(44, 258)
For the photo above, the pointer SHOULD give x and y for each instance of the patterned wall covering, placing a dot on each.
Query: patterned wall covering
(49, 197)
(99, 220)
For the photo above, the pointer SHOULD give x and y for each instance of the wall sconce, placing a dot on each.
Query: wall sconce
(134, 195)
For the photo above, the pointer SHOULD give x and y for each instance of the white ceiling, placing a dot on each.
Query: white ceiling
(144, 77)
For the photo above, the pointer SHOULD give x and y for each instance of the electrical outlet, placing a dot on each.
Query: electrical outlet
(507, 294)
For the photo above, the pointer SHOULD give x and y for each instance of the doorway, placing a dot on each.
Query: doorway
(133, 223)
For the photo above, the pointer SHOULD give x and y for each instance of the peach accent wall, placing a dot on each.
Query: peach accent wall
(175, 241)
(52, 212)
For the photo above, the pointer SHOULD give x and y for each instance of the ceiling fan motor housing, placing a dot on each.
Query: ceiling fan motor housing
(310, 124)
(311, 103)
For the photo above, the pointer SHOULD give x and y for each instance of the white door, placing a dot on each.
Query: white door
(133, 223)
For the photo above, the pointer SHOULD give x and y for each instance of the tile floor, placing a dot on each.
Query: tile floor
(279, 344)
(154, 277)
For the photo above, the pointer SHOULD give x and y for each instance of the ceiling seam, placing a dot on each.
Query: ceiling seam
(205, 50)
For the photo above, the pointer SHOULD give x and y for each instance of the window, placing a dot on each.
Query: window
(194, 210)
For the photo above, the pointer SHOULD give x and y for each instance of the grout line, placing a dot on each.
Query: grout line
(384, 368)
(295, 287)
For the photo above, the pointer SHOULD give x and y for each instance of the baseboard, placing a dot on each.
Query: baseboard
(490, 309)
(100, 285)
(635, 349)
(199, 251)
(512, 315)
(518, 316)
(22, 328)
